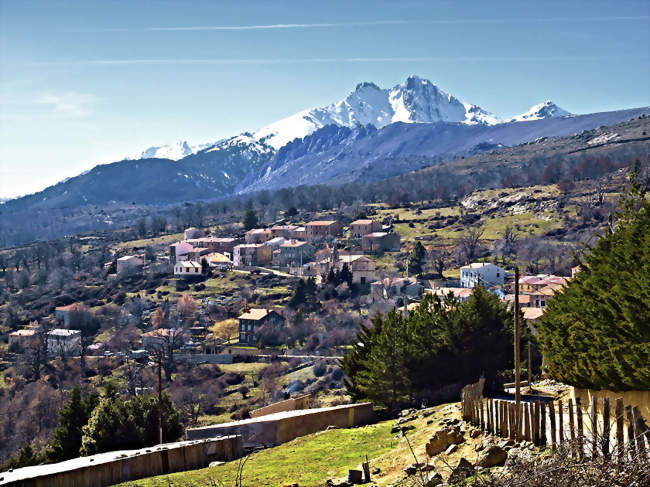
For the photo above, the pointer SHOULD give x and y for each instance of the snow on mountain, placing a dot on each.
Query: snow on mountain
(171, 151)
(547, 109)
(415, 100)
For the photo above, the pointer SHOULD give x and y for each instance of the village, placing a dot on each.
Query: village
(316, 250)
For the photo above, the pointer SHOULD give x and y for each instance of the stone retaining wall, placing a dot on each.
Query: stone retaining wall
(275, 429)
(121, 466)
(293, 404)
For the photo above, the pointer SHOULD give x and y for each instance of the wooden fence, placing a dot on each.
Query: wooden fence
(568, 426)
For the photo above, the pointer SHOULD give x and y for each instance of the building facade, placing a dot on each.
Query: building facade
(323, 230)
(359, 228)
(483, 273)
(378, 242)
(251, 255)
(252, 319)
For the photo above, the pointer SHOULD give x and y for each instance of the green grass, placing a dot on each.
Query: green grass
(244, 368)
(308, 460)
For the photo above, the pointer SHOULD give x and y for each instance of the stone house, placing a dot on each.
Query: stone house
(64, 342)
(251, 255)
(62, 313)
(275, 243)
(378, 242)
(323, 230)
(483, 273)
(529, 284)
(258, 235)
(223, 245)
(284, 231)
(294, 252)
(400, 286)
(23, 339)
(362, 267)
(219, 261)
(359, 228)
(196, 254)
(129, 264)
(252, 319)
(193, 232)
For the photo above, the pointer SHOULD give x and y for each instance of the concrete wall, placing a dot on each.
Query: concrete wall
(630, 398)
(278, 428)
(293, 404)
(115, 467)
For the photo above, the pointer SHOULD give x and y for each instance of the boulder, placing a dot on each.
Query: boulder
(441, 440)
(461, 471)
(433, 480)
(492, 457)
(475, 433)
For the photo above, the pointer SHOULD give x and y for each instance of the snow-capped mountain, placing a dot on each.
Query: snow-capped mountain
(415, 100)
(171, 151)
(547, 109)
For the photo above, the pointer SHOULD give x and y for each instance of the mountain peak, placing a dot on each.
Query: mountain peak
(416, 100)
(546, 109)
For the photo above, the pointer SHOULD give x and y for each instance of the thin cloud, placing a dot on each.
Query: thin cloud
(70, 104)
(126, 62)
(325, 25)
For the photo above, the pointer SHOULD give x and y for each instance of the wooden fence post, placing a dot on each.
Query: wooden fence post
(572, 430)
(513, 421)
(594, 427)
(581, 450)
(536, 424)
(551, 414)
(560, 417)
(606, 429)
(641, 432)
(543, 425)
(527, 421)
(520, 423)
(619, 429)
(480, 408)
(631, 437)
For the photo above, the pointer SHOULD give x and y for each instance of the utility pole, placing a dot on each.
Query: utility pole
(530, 368)
(517, 357)
(160, 435)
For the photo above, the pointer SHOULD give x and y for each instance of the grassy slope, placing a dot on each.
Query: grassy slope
(308, 460)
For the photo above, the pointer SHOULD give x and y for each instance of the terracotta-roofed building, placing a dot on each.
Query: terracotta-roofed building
(252, 319)
(323, 229)
(258, 235)
(529, 284)
(294, 252)
(62, 313)
(388, 288)
(284, 231)
(533, 314)
(215, 244)
(462, 293)
(359, 228)
(378, 242)
(155, 339)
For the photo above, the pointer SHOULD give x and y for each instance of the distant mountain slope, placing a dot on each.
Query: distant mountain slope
(210, 173)
(336, 155)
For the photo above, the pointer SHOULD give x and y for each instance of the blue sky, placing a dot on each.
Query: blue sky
(93, 81)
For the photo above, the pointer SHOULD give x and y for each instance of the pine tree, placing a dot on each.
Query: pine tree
(416, 258)
(250, 219)
(596, 333)
(72, 418)
(346, 275)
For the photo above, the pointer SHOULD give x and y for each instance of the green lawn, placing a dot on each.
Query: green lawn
(309, 460)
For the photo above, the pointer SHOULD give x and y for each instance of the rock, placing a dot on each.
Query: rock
(429, 421)
(427, 468)
(413, 468)
(492, 457)
(451, 449)
(375, 470)
(215, 464)
(475, 433)
(433, 480)
(442, 439)
(462, 470)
